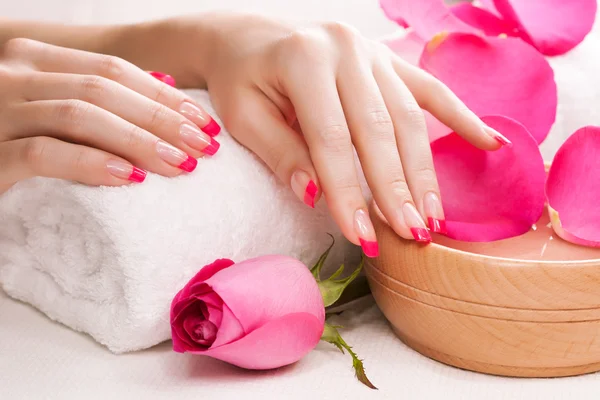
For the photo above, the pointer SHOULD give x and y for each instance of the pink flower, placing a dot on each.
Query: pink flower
(262, 313)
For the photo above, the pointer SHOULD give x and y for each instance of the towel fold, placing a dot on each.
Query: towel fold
(107, 261)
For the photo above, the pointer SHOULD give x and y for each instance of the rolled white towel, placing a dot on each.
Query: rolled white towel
(108, 261)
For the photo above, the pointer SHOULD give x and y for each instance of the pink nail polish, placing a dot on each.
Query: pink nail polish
(498, 136)
(212, 128)
(168, 79)
(415, 222)
(124, 170)
(434, 213)
(310, 193)
(175, 157)
(304, 187)
(200, 118)
(194, 138)
(366, 233)
(212, 148)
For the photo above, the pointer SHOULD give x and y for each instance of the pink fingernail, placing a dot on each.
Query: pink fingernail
(194, 138)
(200, 118)
(434, 213)
(415, 223)
(168, 79)
(304, 187)
(124, 170)
(500, 138)
(175, 157)
(366, 233)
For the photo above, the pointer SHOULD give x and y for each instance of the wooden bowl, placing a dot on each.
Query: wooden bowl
(527, 306)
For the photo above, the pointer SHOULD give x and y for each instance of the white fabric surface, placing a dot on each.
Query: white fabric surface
(40, 359)
(108, 261)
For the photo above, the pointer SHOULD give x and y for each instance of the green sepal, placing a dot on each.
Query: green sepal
(316, 269)
(331, 335)
(332, 288)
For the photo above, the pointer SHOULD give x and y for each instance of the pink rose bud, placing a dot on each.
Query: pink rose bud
(262, 313)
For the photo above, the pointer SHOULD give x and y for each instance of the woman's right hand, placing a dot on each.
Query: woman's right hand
(92, 118)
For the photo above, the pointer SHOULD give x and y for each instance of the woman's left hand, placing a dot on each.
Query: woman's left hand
(304, 98)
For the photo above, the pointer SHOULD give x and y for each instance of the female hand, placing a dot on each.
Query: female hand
(92, 118)
(304, 98)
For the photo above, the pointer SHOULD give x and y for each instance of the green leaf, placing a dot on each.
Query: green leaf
(331, 335)
(331, 288)
(316, 269)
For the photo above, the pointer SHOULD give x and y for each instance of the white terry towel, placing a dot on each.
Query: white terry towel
(108, 261)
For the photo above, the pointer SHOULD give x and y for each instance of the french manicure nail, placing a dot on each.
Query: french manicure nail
(194, 138)
(200, 118)
(168, 79)
(415, 223)
(175, 157)
(366, 233)
(500, 138)
(435, 213)
(124, 170)
(304, 187)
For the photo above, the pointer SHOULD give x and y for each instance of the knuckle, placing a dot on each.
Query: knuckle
(304, 45)
(112, 67)
(134, 136)
(162, 94)
(159, 115)
(34, 152)
(413, 115)
(341, 31)
(398, 186)
(335, 136)
(93, 87)
(72, 113)
(380, 123)
(18, 47)
(425, 174)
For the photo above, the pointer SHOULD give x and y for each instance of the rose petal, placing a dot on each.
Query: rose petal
(408, 46)
(426, 17)
(552, 26)
(200, 331)
(279, 342)
(229, 330)
(206, 272)
(573, 188)
(489, 5)
(268, 287)
(496, 76)
(490, 195)
(484, 20)
(181, 340)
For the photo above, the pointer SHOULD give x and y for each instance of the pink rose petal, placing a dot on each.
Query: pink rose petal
(279, 342)
(490, 195)
(426, 17)
(484, 20)
(489, 5)
(229, 330)
(497, 76)
(573, 188)
(409, 47)
(265, 288)
(202, 275)
(552, 26)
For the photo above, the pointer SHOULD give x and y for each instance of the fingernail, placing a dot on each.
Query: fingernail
(200, 118)
(304, 187)
(435, 213)
(415, 223)
(168, 79)
(366, 233)
(124, 170)
(498, 136)
(175, 157)
(194, 138)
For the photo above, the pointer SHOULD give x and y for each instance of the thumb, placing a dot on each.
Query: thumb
(260, 126)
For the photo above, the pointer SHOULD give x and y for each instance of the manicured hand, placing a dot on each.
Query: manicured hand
(305, 99)
(93, 118)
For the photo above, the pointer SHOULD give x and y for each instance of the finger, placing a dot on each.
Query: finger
(124, 102)
(435, 97)
(373, 135)
(413, 145)
(49, 58)
(44, 156)
(279, 146)
(322, 120)
(84, 123)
